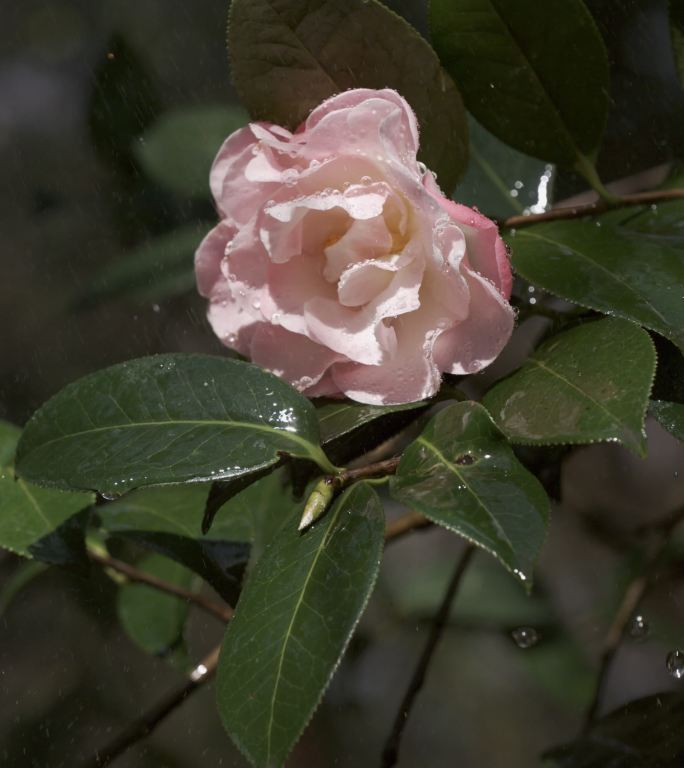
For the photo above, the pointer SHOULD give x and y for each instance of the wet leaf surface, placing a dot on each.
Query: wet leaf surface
(293, 623)
(585, 385)
(166, 419)
(462, 474)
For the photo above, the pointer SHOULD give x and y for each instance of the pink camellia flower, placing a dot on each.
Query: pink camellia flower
(339, 265)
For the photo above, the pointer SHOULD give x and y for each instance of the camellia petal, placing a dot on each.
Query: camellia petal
(340, 266)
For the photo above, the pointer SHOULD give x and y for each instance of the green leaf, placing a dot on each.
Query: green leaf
(158, 269)
(585, 385)
(522, 78)
(462, 474)
(166, 419)
(646, 733)
(350, 429)
(500, 181)
(293, 623)
(178, 150)
(670, 416)
(155, 620)
(167, 520)
(9, 437)
(35, 522)
(288, 56)
(632, 269)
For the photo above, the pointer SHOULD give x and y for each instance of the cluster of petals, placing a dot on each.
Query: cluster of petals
(339, 265)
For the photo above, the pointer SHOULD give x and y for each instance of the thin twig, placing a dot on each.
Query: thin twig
(588, 209)
(411, 521)
(384, 467)
(144, 726)
(390, 753)
(633, 596)
(222, 612)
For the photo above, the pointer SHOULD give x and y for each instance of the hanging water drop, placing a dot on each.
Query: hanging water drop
(675, 664)
(525, 637)
(639, 628)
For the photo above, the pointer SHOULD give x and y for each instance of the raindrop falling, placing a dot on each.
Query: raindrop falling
(639, 628)
(675, 664)
(525, 637)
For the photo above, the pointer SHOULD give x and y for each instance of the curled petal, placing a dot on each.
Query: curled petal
(477, 340)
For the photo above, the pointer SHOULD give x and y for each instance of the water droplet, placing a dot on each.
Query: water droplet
(314, 163)
(228, 248)
(639, 628)
(366, 180)
(110, 496)
(525, 637)
(289, 177)
(422, 167)
(231, 338)
(675, 664)
(256, 304)
(518, 185)
(156, 308)
(513, 192)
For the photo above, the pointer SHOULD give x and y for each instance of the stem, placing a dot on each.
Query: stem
(588, 209)
(633, 596)
(144, 726)
(390, 753)
(385, 467)
(411, 521)
(222, 612)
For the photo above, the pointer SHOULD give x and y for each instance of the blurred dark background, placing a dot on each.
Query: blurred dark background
(83, 87)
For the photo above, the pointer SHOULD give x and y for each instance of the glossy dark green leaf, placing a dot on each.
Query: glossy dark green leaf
(646, 733)
(221, 492)
(632, 268)
(340, 418)
(461, 473)
(534, 74)
(166, 419)
(158, 269)
(178, 150)
(350, 429)
(585, 385)
(670, 416)
(168, 519)
(502, 182)
(293, 622)
(9, 437)
(155, 620)
(34, 522)
(288, 56)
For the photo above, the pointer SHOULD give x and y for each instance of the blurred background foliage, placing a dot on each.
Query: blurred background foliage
(110, 115)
